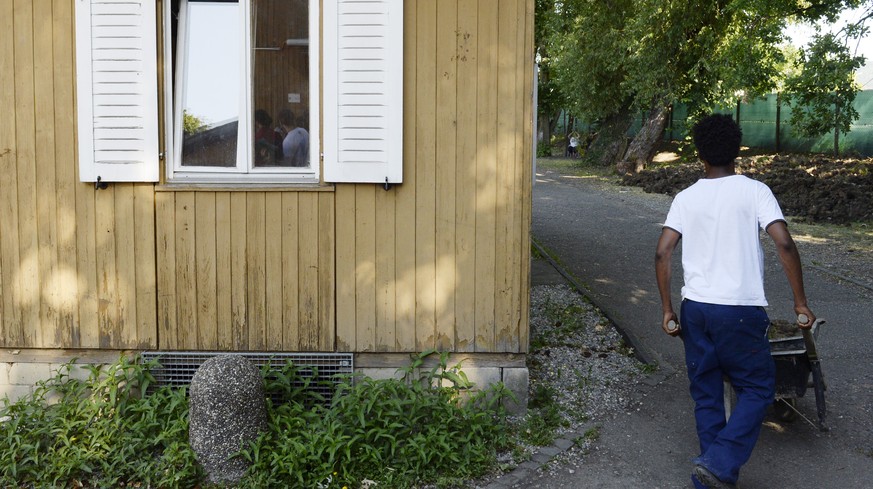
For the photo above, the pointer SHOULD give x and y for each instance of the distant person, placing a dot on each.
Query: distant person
(723, 322)
(268, 145)
(295, 147)
(573, 146)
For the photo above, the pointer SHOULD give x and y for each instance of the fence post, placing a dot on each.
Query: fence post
(778, 122)
(670, 122)
(738, 110)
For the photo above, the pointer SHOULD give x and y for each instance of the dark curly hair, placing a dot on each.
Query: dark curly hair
(717, 139)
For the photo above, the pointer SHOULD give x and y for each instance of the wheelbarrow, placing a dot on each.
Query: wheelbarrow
(796, 359)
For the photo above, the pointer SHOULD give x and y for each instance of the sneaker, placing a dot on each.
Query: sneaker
(709, 479)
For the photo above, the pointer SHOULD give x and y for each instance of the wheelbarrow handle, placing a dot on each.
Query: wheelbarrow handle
(808, 338)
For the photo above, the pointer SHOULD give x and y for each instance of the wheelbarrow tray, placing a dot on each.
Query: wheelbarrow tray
(793, 366)
(796, 361)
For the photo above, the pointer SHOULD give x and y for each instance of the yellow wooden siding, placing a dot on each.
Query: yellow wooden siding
(76, 264)
(455, 234)
(245, 270)
(440, 261)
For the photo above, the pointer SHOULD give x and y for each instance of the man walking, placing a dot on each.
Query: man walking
(723, 323)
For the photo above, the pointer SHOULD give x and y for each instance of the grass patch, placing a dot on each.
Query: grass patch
(856, 236)
(576, 167)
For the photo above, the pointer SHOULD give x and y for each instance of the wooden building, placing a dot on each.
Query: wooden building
(406, 229)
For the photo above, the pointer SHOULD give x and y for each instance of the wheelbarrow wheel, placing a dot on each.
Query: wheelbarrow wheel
(784, 409)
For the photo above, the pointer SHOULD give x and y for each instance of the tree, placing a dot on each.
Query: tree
(821, 93)
(612, 59)
(550, 100)
(191, 124)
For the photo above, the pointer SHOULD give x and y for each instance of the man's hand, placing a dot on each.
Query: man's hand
(670, 323)
(805, 317)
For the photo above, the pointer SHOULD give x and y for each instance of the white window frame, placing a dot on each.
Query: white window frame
(245, 172)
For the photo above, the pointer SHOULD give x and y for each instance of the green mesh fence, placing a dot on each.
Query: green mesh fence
(760, 120)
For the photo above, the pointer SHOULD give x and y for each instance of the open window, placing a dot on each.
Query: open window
(243, 90)
(245, 86)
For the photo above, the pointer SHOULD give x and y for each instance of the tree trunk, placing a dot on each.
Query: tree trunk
(546, 125)
(609, 144)
(642, 147)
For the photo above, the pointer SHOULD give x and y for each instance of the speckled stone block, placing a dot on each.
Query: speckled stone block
(227, 410)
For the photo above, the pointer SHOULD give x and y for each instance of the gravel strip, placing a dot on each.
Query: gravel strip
(580, 358)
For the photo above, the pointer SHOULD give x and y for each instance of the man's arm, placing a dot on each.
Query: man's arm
(790, 258)
(663, 271)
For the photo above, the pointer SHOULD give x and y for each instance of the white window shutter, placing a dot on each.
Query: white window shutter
(116, 71)
(363, 91)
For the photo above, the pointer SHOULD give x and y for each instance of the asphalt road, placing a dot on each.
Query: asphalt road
(604, 237)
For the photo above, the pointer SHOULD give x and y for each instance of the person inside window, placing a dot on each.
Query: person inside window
(295, 146)
(268, 147)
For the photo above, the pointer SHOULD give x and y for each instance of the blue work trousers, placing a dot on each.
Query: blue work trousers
(727, 341)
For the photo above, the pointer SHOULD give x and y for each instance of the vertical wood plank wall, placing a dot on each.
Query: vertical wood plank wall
(245, 270)
(440, 261)
(77, 266)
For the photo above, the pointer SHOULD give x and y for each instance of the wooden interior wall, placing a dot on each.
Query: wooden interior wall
(77, 265)
(246, 270)
(283, 72)
(442, 261)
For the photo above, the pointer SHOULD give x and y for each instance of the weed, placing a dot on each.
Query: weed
(424, 427)
(648, 368)
(592, 434)
(98, 432)
(428, 427)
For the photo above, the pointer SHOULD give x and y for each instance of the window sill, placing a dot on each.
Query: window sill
(244, 187)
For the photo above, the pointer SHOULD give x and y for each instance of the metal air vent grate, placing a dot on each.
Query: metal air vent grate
(176, 369)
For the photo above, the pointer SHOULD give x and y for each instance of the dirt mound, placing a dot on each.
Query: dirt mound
(814, 187)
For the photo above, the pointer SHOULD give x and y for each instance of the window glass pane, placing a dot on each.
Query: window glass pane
(211, 91)
(281, 82)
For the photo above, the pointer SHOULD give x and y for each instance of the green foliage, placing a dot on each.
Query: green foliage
(626, 56)
(544, 417)
(191, 124)
(822, 93)
(97, 432)
(425, 427)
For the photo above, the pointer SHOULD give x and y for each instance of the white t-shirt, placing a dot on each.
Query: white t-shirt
(718, 219)
(295, 147)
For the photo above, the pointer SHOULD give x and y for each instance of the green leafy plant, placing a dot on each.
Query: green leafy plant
(430, 426)
(544, 417)
(97, 432)
(191, 124)
(426, 427)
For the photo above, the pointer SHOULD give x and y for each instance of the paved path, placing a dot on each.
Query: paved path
(604, 238)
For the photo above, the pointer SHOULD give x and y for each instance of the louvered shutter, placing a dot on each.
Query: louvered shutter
(116, 67)
(363, 91)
